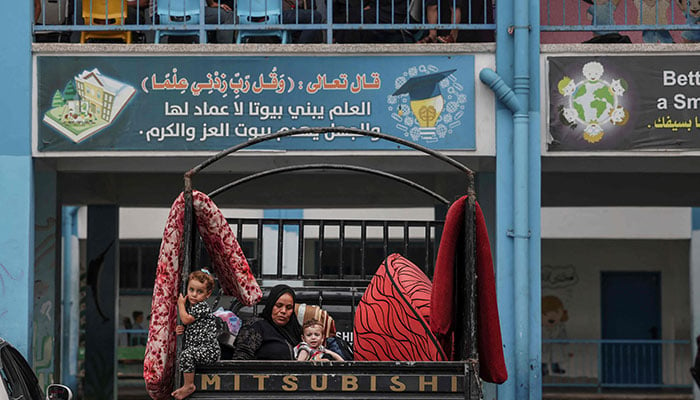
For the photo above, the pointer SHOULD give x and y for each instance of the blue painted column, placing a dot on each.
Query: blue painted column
(695, 285)
(518, 194)
(535, 202)
(70, 298)
(504, 198)
(16, 178)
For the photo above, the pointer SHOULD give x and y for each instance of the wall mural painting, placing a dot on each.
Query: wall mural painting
(44, 299)
(557, 284)
(558, 276)
(555, 356)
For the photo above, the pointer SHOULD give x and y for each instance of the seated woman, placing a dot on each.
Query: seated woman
(273, 336)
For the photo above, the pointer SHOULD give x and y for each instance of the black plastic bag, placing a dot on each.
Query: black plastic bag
(340, 346)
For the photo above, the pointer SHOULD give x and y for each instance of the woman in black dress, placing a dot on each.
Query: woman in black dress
(273, 335)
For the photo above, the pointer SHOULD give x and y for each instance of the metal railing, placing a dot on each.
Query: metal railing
(333, 251)
(336, 20)
(391, 20)
(654, 18)
(133, 337)
(616, 363)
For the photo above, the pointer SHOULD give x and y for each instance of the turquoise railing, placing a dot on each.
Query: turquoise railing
(616, 363)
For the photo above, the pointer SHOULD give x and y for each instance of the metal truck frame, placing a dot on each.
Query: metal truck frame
(350, 379)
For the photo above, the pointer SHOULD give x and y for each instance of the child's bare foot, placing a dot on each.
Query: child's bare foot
(183, 392)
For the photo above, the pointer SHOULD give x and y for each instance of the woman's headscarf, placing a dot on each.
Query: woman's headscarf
(291, 331)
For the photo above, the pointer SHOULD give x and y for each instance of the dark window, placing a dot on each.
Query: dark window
(149, 262)
(138, 261)
(128, 263)
(374, 250)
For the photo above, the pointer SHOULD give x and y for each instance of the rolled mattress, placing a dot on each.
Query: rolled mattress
(229, 265)
(392, 318)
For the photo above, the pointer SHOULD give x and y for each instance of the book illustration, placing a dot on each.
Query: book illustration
(88, 103)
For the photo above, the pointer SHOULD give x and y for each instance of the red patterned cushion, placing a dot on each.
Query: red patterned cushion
(391, 321)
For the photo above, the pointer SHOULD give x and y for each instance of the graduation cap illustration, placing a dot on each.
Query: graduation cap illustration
(425, 97)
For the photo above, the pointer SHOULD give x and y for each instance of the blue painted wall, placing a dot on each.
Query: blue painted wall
(16, 204)
(16, 251)
(15, 65)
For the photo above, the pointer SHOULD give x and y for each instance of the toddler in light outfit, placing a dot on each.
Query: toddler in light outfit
(311, 348)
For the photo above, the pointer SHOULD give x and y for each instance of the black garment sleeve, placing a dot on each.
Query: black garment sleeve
(247, 342)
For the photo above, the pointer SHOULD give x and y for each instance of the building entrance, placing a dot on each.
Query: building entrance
(631, 310)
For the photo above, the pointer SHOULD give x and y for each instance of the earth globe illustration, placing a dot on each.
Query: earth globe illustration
(593, 103)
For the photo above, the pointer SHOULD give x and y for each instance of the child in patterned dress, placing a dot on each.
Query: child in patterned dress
(311, 347)
(199, 326)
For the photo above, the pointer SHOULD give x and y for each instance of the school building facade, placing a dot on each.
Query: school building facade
(586, 159)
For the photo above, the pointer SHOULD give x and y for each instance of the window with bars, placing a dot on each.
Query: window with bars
(138, 260)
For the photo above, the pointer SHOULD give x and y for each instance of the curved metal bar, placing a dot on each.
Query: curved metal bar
(280, 170)
(321, 130)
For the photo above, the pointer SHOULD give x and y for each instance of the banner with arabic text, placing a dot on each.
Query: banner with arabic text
(624, 103)
(189, 103)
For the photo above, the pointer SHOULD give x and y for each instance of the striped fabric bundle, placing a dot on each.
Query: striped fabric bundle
(306, 312)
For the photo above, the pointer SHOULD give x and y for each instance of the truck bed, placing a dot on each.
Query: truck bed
(337, 380)
(345, 253)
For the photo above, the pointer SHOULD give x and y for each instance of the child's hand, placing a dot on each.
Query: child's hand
(180, 329)
(181, 300)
